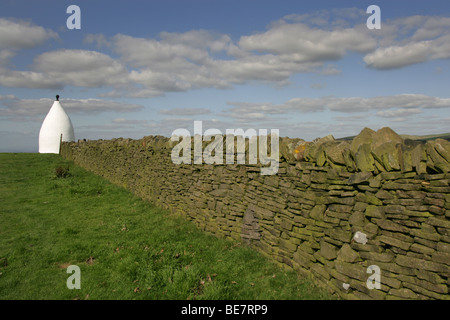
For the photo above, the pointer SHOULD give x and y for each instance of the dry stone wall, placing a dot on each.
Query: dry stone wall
(334, 211)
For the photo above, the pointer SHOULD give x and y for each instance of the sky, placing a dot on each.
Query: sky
(308, 68)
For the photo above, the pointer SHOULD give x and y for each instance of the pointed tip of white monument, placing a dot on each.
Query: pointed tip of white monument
(55, 128)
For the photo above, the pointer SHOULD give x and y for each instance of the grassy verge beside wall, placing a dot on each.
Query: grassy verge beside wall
(126, 248)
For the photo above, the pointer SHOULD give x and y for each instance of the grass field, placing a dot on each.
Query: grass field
(125, 247)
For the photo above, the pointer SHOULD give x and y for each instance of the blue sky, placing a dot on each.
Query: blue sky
(307, 68)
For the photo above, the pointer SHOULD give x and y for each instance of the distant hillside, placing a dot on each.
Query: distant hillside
(445, 136)
(424, 138)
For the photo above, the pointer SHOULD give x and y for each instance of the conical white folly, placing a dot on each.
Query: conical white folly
(55, 124)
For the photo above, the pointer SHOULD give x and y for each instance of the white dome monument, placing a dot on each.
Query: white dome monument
(56, 127)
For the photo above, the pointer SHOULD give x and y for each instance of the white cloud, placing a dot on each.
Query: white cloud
(177, 62)
(398, 113)
(17, 34)
(330, 18)
(330, 70)
(5, 56)
(81, 68)
(353, 118)
(300, 43)
(247, 107)
(294, 44)
(28, 108)
(203, 59)
(384, 106)
(185, 111)
(56, 69)
(411, 40)
(398, 56)
(7, 97)
(195, 59)
(318, 86)
(430, 28)
(408, 101)
(197, 39)
(128, 121)
(161, 55)
(269, 68)
(259, 111)
(98, 39)
(27, 79)
(90, 106)
(303, 105)
(116, 127)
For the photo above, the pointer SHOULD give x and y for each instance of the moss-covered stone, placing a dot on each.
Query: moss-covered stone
(347, 254)
(364, 159)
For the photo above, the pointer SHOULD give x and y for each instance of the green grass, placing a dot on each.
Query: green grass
(125, 247)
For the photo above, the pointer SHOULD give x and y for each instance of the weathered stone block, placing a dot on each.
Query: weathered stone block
(357, 219)
(436, 210)
(393, 208)
(317, 213)
(433, 236)
(271, 180)
(389, 155)
(371, 229)
(375, 212)
(391, 175)
(336, 200)
(364, 159)
(375, 182)
(359, 177)
(303, 259)
(439, 222)
(364, 137)
(435, 159)
(384, 195)
(441, 257)
(347, 254)
(429, 276)
(416, 263)
(344, 210)
(403, 293)
(327, 250)
(424, 292)
(416, 247)
(416, 194)
(392, 226)
(443, 247)
(371, 199)
(402, 186)
(377, 256)
(392, 267)
(360, 206)
(390, 282)
(417, 212)
(394, 242)
(320, 271)
(341, 235)
(354, 271)
(426, 243)
(262, 213)
(288, 245)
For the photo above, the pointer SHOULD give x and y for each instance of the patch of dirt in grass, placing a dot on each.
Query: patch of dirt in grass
(64, 265)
